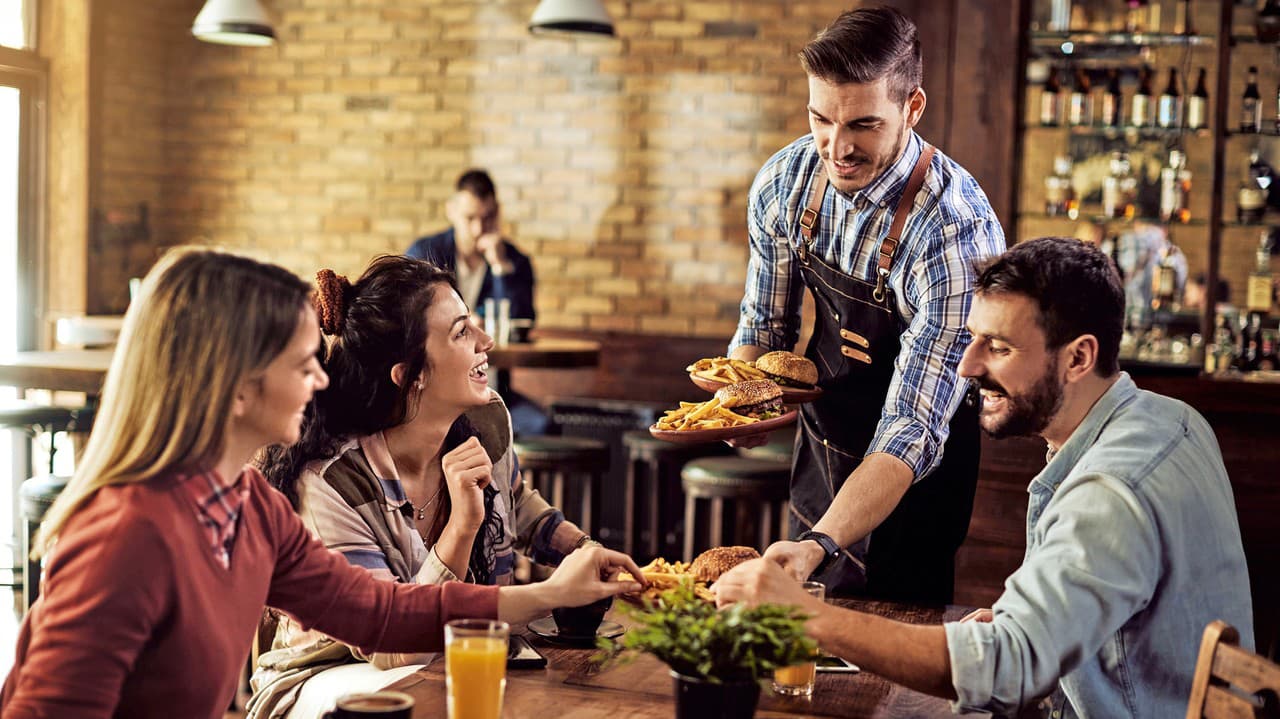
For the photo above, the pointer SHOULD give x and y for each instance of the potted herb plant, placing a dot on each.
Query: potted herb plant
(717, 657)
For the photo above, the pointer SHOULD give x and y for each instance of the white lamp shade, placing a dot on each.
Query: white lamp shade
(583, 17)
(234, 22)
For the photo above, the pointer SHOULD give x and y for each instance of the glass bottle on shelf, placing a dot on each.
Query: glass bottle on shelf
(1251, 199)
(1119, 189)
(1250, 345)
(1198, 104)
(1175, 186)
(1164, 284)
(1220, 355)
(1059, 195)
(1112, 101)
(1267, 22)
(1080, 105)
(1051, 100)
(1135, 18)
(1169, 109)
(1251, 104)
(1182, 18)
(1140, 115)
(1258, 293)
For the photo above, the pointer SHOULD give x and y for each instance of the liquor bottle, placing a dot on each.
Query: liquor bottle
(1182, 18)
(1164, 284)
(1175, 186)
(1080, 105)
(1268, 361)
(1250, 343)
(1198, 104)
(1051, 100)
(1059, 196)
(1119, 188)
(1220, 355)
(1258, 294)
(1267, 22)
(1112, 101)
(1251, 199)
(1169, 110)
(1135, 19)
(1251, 105)
(1140, 116)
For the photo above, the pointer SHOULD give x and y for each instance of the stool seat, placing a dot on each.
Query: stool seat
(543, 449)
(640, 443)
(37, 494)
(560, 466)
(758, 489)
(738, 476)
(21, 413)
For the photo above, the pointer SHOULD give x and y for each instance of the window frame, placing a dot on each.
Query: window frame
(29, 73)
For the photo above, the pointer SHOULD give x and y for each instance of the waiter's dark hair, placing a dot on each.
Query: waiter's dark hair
(478, 183)
(1075, 286)
(864, 45)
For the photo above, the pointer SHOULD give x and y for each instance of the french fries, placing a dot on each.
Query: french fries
(702, 415)
(663, 575)
(723, 369)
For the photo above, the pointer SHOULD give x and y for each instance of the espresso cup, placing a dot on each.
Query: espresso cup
(382, 705)
(581, 621)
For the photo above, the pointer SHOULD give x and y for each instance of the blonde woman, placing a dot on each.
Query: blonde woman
(164, 547)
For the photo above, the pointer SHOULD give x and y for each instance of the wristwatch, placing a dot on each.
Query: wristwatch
(830, 550)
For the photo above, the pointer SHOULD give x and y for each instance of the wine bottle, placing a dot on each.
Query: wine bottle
(1169, 112)
(1112, 101)
(1198, 104)
(1051, 100)
(1080, 107)
(1140, 116)
(1251, 105)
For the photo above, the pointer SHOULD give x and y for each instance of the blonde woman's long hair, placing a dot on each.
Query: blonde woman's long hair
(204, 322)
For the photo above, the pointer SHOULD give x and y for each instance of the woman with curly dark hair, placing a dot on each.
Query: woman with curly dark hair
(405, 465)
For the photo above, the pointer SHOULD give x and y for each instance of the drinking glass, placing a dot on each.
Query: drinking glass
(475, 655)
(797, 680)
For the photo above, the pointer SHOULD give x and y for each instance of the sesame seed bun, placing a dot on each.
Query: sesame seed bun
(797, 370)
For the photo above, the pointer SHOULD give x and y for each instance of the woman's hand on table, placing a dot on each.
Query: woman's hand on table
(586, 575)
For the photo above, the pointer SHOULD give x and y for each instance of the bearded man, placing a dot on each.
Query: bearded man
(1133, 545)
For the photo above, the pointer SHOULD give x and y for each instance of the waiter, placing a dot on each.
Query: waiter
(884, 230)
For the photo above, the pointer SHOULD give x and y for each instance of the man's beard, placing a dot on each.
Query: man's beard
(1025, 414)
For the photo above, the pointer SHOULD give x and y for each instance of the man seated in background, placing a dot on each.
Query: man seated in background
(486, 266)
(1133, 545)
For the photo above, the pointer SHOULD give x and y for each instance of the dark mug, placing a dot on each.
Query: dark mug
(371, 705)
(581, 621)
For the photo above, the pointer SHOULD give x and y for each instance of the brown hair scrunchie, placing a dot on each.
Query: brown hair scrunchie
(331, 300)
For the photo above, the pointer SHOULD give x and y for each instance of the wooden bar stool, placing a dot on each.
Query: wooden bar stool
(652, 493)
(562, 466)
(758, 488)
(36, 496)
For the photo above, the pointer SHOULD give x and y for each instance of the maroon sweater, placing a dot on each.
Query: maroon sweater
(137, 619)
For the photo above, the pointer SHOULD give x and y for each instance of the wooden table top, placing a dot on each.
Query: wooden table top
(75, 370)
(572, 686)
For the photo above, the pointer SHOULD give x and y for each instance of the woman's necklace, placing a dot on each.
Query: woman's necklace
(421, 512)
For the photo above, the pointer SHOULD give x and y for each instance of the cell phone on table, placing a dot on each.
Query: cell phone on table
(828, 663)
(522, 655)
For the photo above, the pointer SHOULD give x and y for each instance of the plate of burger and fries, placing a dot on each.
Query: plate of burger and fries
(736, 410)
(796, 375)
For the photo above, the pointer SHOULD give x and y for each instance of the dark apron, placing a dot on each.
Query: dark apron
(911, 555)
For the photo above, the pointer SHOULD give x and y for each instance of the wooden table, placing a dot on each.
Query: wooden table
(571, 686)
(541, 353)
(61, 370)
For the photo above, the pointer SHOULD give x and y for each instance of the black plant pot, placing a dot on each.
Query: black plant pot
(701, 699)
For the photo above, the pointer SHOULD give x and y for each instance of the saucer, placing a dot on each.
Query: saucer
(546, 628)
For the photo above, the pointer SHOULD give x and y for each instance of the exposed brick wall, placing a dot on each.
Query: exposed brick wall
(622, 165)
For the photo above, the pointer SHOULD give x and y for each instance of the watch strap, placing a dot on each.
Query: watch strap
(830, 550)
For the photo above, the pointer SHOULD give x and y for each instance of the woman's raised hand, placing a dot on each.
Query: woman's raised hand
(467, 471)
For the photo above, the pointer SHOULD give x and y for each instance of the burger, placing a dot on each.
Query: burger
(788, 369)
(758, 398)
(709, 565)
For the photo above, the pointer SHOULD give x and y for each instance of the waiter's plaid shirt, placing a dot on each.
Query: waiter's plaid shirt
(218, 505)
(950, 226)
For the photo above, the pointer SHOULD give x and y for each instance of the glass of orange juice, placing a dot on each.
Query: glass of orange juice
(475, 665)
(797, 680)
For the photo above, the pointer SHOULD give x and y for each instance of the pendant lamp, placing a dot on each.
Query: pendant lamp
(578, 17)
(234, 22)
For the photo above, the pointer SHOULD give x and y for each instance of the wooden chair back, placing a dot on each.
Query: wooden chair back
(1230, 682)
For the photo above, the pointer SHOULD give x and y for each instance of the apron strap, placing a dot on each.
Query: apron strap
(890, 243)
(809, 218)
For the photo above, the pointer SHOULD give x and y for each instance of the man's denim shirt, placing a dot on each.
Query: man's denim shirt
(1132, 548)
